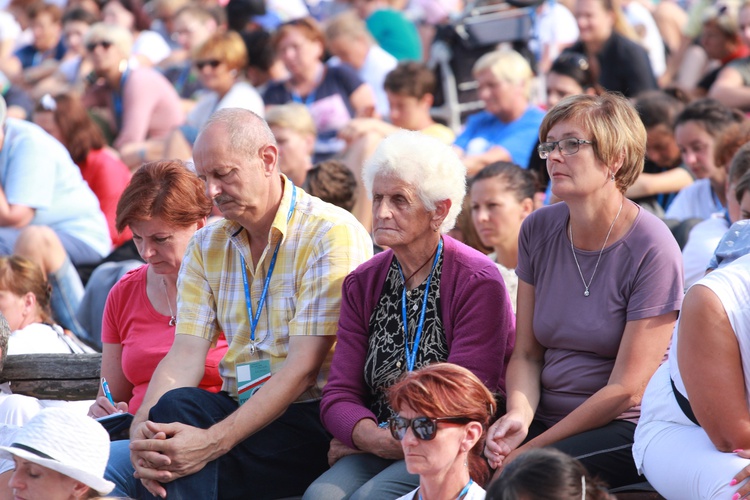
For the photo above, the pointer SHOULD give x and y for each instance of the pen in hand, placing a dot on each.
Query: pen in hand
(105, 388)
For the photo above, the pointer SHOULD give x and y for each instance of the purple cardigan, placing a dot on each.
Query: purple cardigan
(479, 324)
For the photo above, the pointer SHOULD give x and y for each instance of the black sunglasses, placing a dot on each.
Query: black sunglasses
(424, 428)
(213, 63)
(91, 46)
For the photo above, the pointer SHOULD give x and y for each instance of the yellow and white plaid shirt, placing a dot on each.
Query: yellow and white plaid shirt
(320, 245)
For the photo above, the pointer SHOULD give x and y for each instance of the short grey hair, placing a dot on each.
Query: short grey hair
(431, 166)
(4, 336)
(348, 24)
(247, 131)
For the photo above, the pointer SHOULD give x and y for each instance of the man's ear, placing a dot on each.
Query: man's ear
(270, 156)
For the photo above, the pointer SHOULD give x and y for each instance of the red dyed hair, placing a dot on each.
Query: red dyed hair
(448, 390)
(165, 189)
(308, 26)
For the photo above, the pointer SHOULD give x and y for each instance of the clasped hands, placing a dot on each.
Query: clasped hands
(503, 440)
(161, 453)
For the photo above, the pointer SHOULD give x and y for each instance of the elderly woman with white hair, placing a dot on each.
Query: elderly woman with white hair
(137, 102)
(506, 130)
(427, 299)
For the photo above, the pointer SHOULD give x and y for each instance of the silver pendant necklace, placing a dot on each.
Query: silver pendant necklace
(586, 292)
(172, 318)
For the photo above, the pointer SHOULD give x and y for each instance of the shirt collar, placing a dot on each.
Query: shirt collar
(279, 225)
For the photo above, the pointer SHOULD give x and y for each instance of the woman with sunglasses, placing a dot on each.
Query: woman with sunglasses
(427, 299)
(599, 289)
(220, 62)
(442, 411)
(133, 103)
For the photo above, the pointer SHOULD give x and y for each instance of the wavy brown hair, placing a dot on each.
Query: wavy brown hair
(308, 26)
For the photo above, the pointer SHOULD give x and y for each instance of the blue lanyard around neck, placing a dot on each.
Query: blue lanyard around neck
(117, 97)
(411, 355)
(255, 317)
(307, 101)
(463, 492)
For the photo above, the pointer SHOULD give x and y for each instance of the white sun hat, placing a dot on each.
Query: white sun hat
(68, 442)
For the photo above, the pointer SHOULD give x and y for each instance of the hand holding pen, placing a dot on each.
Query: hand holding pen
(105, 403)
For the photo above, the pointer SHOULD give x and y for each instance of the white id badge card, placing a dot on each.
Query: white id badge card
(251, 376)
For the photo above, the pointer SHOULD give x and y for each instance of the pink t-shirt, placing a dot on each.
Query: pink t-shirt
(145, 335)
(151, 107)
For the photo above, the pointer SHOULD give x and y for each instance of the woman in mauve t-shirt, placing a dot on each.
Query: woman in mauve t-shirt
(600, 286)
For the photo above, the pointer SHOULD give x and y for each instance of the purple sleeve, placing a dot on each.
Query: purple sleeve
(523, 268)
(344, 397)
(658, 285)
(484, 326)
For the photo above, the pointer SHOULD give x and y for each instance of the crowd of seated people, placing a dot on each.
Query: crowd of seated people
(255, 153)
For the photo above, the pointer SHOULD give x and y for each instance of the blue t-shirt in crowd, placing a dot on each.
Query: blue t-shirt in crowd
(37, 171)
(484, 130)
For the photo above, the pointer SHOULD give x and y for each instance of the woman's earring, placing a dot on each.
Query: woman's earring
(613, 177)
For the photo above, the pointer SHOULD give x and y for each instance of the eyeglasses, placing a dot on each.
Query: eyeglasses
(91, 46)
(212, 63)
(424, 428)
(568, 146)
